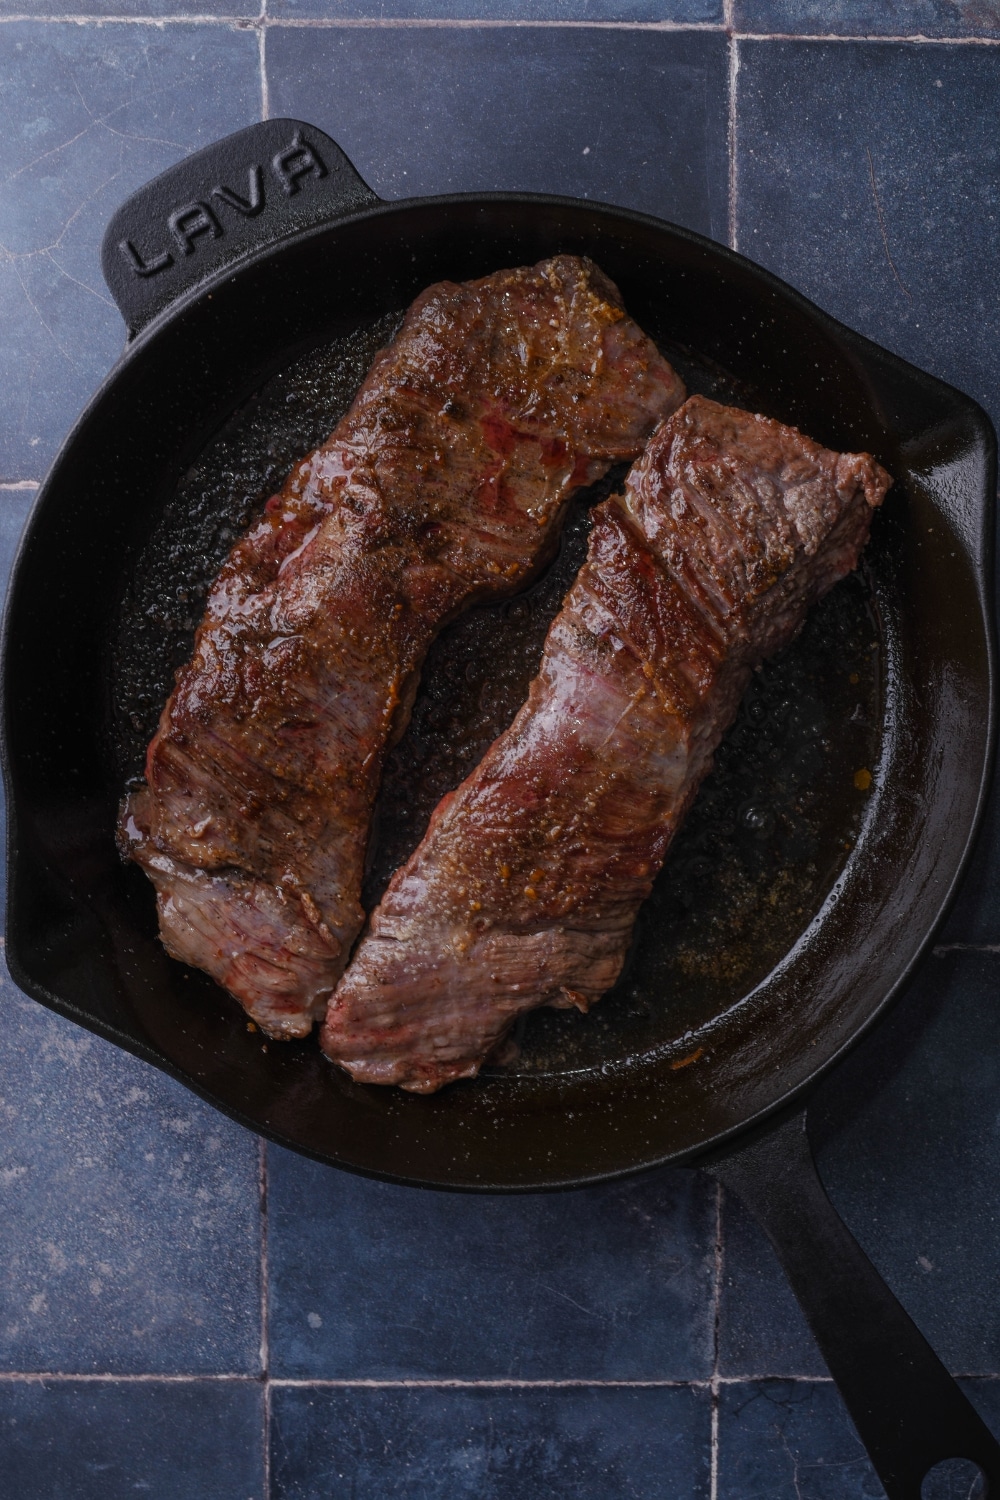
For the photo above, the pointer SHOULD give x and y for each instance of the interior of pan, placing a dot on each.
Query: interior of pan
(807, 876)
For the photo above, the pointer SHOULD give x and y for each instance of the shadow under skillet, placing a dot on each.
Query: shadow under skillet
(772, 825)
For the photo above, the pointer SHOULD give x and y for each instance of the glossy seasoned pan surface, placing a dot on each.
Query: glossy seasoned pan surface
(798, 895)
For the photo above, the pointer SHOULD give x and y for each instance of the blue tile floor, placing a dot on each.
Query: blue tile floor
(465, 109)
(608, 1284)
(88, 1440)
(869, 18)
(185, 1314)
(484, 1444)
(91, 112)
(130, 1238)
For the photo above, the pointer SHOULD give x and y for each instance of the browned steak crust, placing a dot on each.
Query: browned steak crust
(443, 485)
(525, 889)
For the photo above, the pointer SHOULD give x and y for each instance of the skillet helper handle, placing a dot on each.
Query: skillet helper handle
(219, 205)
(909, 1412)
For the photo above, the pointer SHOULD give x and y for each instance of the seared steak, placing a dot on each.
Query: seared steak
(444, 485)
(526, 886)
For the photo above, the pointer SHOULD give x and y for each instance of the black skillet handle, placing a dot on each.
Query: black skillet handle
(908, 1410)
(218, 205)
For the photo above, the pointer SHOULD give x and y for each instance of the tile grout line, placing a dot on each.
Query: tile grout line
(36, 1377)
(93, 1378)
(914, 39)
(255, 23)
(265, 1338)
(457, 23)
(20, 484)
(349, 23)
(265, 99)
(731, 138)
(458, 1383)
(713, 1475)
(196, 18)
(503, 1383)
(365, 22)
(500, 1383)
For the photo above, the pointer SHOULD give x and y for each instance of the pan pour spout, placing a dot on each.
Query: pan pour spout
(526, 886)
(444, 486)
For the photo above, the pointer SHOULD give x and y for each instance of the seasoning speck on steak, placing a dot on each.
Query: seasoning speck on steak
(443, 486)
(526, 886)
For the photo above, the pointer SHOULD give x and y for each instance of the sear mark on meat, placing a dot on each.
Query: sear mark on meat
(526, 886)
(221, 495)
(443, 486)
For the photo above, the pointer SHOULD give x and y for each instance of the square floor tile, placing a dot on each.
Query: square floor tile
(114, 1440)
(91, 113)
(372, 1281)
(130, 1230)
(793, 1440)
(907, 1139)
(790, 1440)
(589, 1444)
(633, 118)
(952, 18)
(761, 1328)
(869, 177)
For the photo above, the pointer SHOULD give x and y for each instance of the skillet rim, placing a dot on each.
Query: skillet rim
(866, 351)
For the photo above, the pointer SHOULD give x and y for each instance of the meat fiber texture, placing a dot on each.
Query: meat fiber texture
(526, 886)
(443, 486)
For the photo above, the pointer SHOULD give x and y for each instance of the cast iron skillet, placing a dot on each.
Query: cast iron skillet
(228, 269)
